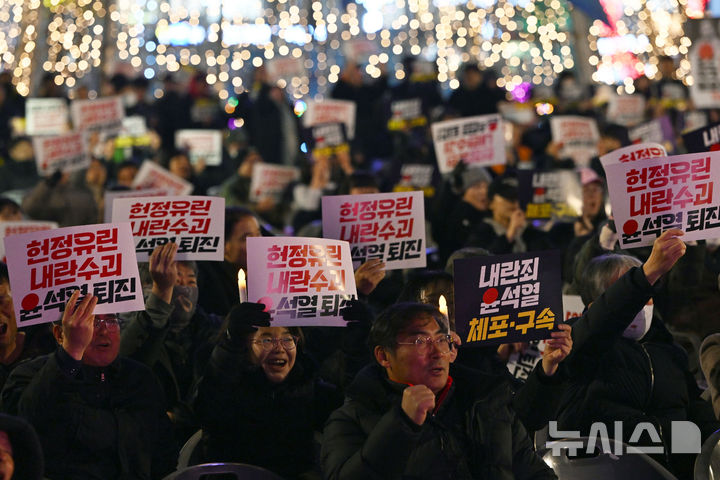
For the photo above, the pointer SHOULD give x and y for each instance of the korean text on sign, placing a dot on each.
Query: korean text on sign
(270, 181)
(476, 141)
(549, 194)
(202, 145)
(48, 266)
(508, 298)
(65, 153)
(578, 136)
(331, 111)
(654, 195)
(18, 228)
(102, 113)
(633, 153)
(195, 224)
(386, 226)
(303, 281)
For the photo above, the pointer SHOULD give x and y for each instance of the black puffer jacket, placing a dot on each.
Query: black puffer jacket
(248, 419)
(94, 423)
(613, 378)
(474, 433)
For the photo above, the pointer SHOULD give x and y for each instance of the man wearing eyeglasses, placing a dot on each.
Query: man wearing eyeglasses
(406, 417)
(98, 416)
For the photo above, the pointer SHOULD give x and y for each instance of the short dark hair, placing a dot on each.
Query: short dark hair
(417, 281)
(6, 202)
(4, 276)
(395, 318)
(601, 272)
(232, 216)
(362, 179)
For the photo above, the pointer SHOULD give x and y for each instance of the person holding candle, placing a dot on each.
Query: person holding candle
(260, 400)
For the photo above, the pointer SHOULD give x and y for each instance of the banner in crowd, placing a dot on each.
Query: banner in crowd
(477, 141)
(331, 111)
(327, 139)
(134, 126)
(205, 145)
(110, 197)
(633, 153)
(507, 298)
(359, 50)
(285, 68)
(706, 139)
(66, 153)
(20, 227)
(270, 181)
(48, 266)
(659, 131)
(704, 56)
(104, 113)
(666, 192)
(302, 281)
(550, 194)
(578, 135)
(196, 224)
(406, 114)
(416, 175)
(46, 116)
(627, 110)
(151, 176)
(386, 226)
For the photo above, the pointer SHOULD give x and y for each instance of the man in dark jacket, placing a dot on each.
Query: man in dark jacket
(98, 416)
(407, 418)
(624, 365)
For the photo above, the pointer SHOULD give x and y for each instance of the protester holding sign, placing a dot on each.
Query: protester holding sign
(63, 199)
(259, 401)
(97, 415)
(624, 366)
(407, 417)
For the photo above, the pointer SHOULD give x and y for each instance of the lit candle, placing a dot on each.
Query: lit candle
(442, 306)
(242, 286)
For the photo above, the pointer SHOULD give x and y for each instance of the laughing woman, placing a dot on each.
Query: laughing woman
(259, 402)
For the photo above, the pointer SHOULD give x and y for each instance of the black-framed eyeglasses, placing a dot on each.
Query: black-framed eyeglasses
(424, 344)
(111, 323)
(287, 342)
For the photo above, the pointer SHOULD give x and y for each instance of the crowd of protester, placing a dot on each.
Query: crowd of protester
(116, 396)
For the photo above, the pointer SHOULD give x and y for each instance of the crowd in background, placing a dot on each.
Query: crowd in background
(116, 397)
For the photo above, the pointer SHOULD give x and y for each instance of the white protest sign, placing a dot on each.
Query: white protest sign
(134, 126)
(101, 114)
(578, 136)
(46, 267)
(302, 281)
(152, 175)
(406, 114)
(627, 110)
(20, 227)
(46, 116)
(359, 49)
(270, 180)
(386, 226)
(110, 196)
(660, 193)
(633, 153)
(478, 141)
(704, 56)
(67, 153)
(416, 175)
(285, 68)
(573, 306)
(196, 224)
(331, 111)
(203, 145)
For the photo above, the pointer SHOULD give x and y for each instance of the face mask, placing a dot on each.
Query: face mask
(183, 297)
(640, 324)
(129, 100)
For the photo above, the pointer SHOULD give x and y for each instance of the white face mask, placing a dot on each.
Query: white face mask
(640, 324)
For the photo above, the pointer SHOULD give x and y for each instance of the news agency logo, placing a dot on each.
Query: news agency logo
(684, 438)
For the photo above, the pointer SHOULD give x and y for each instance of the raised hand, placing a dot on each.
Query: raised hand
(666, 251)
(417, 402)
(78, 324)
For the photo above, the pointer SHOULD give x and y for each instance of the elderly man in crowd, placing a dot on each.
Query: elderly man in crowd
(406, 417)
(98, 416)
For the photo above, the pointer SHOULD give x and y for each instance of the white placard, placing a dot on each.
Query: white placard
(633, 153)
(196, 224)
(203, 145)
(151, 175)
(270, 180)
(302, 281)
(478, 141)
(20, 227)
(331, 111)
(67, 153)
(46, 116)
(578, 136)
(386, 226)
